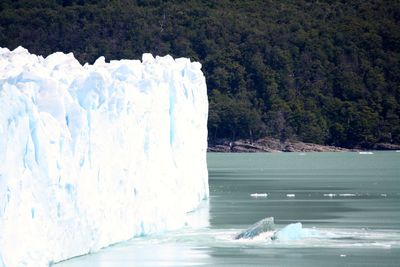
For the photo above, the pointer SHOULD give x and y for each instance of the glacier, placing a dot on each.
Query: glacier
(96, 154)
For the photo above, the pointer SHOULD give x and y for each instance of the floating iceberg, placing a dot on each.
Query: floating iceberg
(262, 226)
(265, 229)
(96, 154)
(293, 231)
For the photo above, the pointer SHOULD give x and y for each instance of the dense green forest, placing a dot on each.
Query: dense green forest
(326, 72)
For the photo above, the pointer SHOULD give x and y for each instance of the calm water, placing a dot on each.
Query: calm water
(351, 201)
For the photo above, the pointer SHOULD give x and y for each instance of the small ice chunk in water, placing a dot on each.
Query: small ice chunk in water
(383, 195)
(259, 195)
(330, 195)
(265, 225)
(290, 195)
(293, 231)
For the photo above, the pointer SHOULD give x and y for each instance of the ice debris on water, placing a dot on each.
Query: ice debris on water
(347, 195)
(256, 195)
(290, 195)
(262, 226)
(295, 234)
(92, 155)
(292, 231)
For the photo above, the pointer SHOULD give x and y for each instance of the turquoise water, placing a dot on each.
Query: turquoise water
(351, 202)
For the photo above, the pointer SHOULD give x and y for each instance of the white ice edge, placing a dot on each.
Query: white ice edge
(96, 154)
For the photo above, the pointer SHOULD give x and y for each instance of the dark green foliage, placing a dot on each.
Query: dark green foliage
(318, 71)
(233, 117)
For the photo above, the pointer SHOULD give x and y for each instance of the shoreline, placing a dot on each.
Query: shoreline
(270, 145)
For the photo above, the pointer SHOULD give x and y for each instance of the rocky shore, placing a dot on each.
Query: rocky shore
(268, 144)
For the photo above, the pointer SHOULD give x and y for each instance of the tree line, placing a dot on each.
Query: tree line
(325, 72)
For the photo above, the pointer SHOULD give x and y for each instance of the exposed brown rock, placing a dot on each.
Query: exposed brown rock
(386, 146)
(268, 144)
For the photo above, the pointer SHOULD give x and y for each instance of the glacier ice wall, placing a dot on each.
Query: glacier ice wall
(96, 154)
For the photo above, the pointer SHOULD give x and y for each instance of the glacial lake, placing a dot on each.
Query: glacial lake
(349, 202)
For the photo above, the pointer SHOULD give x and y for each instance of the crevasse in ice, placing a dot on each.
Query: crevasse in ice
(96, 154)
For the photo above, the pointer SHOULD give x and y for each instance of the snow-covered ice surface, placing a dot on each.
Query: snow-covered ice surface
(96, 154)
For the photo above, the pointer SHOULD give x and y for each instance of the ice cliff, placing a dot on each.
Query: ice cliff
(96, 154)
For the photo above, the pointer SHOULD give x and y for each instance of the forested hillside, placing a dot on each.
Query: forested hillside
(326, 72)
